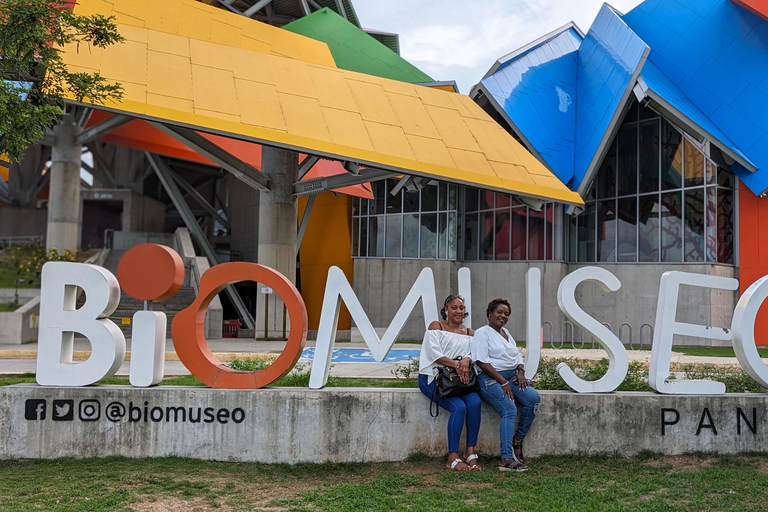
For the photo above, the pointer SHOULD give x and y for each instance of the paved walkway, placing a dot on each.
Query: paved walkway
(15, 359)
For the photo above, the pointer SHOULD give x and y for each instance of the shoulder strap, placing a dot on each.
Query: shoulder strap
(433, 401)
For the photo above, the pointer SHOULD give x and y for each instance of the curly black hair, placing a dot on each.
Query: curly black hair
(498, 301)
(448, 299)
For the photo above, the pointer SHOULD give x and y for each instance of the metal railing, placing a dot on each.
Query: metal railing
(569, 335)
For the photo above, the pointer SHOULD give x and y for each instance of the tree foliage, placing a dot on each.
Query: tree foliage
(33, 77)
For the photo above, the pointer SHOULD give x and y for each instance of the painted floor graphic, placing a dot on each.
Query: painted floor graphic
(363, 355)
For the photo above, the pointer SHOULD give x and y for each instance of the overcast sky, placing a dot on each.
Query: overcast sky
(460, 40)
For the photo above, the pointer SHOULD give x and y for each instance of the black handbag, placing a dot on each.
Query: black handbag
(448, 384)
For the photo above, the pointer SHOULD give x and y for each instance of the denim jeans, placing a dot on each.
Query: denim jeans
(529, 399)
(465, 408)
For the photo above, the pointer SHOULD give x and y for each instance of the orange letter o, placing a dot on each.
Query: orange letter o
(188, 328)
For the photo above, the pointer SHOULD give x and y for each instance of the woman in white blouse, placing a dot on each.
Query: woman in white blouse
(447, 343)
(503, 382)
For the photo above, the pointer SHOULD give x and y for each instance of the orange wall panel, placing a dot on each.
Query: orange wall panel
(753, 250)
(327, 242)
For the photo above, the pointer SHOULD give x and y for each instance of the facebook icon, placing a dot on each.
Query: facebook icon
(34, 409)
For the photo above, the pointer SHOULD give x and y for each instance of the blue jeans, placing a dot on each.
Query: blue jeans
(465, 408)
(529, 399)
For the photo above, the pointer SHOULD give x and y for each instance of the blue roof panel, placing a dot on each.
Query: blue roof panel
(537, 91)
(610, 52)
(730, 89)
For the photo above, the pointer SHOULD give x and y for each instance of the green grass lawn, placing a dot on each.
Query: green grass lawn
(649, 482)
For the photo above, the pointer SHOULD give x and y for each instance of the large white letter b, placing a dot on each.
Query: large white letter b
(59, 321)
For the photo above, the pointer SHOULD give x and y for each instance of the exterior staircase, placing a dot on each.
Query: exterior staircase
(123, 315)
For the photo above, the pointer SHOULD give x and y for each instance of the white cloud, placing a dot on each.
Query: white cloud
(459, 40)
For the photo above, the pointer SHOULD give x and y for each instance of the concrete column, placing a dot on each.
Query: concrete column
(278, 221)
(64, 189)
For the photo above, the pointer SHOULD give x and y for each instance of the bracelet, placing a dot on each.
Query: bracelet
(505, 384)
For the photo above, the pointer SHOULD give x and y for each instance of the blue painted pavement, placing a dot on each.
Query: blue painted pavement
(363, 355)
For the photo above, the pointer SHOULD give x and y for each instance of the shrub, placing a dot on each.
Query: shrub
(26, 261)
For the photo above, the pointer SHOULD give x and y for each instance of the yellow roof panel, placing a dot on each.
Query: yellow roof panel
(203, 22)
(318, 109)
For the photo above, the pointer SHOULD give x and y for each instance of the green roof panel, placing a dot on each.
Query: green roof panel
(353, 49)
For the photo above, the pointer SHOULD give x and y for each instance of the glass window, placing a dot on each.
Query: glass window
(627, 230)
(536, 235)
(453, 197)
(428, 236)
(710, 217)
(470, 237)
(627, 166)
(376, 205)
(471, 201)
(453, 236)
(486, 235)
(394, 236)
(442, 195)
(364, 236)
(429, 198)
(502, 232)
(724, 225)
(519, 228)
(671, 227)
(648, 228)
(606, 176)
(376, 236)
(694, 165)
(649, 156)
(587, 233)
(411, 201)
(394, 203)
(355, 236)
(410, 236)
(694, 225)
(671, 157)
(606, 230)
(442, 235)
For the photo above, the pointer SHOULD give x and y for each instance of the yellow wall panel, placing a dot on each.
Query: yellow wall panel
(126, 62)
(332, 90)
(347, 128)
(168, 43)
(398, 87)
(412, 116)
(390, 140)
(86, 56)
(452, 128)
(214, 89)
(373, 102)
(427, 149)
(436, 97)
(161, 18)
(292, 77)
(263, 105)
(248, 43)
(253, 66)
(224, 33)
(169, 75)
(194, 22)
(215, 114)
(470, 160)
(211, 55)
(136, 9)
(130, 33)
(172, 102)
(303, 117)
(492, 140)
(512, 172)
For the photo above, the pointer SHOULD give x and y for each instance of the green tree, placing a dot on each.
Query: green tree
(33, 77)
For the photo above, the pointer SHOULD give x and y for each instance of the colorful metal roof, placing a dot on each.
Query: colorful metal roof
(706, 69)
(355, 50)
(261, 97)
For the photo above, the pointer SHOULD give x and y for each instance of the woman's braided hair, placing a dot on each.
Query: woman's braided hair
(498, 301)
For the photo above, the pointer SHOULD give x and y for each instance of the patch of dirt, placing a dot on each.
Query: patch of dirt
(681, 463)
(177, 505)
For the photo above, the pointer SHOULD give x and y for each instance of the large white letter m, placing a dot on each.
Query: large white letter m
(337, 288)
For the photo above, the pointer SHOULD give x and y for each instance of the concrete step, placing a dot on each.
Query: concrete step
(123, 315)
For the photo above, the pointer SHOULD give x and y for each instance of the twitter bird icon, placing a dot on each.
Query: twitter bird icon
(63, 410)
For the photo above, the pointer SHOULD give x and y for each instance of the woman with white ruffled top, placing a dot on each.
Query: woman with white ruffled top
(447, 343)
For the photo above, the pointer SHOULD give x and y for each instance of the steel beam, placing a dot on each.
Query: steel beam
(104, 127)
(255, 8)
(242, 171)
(166, 178)
(306, 165)
(304, 222)
(320, 185)
(103, 165)
(199, 199)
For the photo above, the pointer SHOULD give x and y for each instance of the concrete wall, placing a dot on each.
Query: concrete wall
(353, 425)
(124, 240)
(381, 284)
(140, 213)
(23, 221)
(20, 326)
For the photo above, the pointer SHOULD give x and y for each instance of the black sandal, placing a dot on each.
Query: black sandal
(512, 465)
(517, 451)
